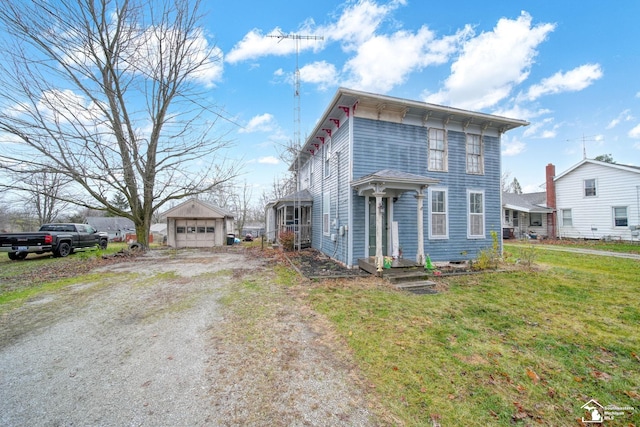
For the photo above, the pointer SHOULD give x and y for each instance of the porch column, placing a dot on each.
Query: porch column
(420, 255)
(379, 256)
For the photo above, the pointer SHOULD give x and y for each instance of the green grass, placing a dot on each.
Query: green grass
(518, 348)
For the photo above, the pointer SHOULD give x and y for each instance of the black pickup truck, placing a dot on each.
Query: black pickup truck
(61, 239)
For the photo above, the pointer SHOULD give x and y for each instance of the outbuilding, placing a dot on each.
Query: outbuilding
(197, 224)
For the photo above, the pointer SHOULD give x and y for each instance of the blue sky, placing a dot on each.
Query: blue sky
(570, 68)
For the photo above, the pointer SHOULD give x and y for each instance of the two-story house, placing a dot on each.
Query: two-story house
(598, 200)
(384, 176)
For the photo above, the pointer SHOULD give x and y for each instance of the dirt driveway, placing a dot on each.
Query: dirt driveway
(175, 338)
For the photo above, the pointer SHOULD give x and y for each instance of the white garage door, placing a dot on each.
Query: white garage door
(195, 233)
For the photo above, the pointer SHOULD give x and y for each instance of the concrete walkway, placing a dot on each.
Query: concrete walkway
(583, 251)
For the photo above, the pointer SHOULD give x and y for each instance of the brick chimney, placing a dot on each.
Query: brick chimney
(551, 200)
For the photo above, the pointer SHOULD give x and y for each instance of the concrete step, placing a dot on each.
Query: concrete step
(419, 287)
(405, 276)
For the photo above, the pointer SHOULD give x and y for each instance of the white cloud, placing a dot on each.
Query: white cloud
(359, 22)
(571, 81)
(385, 61)
(537, 129)
(512, 147)
(635, 132)
(624, 116)
(491, 64)
(269, 160)
(320, 73)
(262, 123)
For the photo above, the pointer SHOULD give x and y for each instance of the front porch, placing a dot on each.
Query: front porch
(293, 214)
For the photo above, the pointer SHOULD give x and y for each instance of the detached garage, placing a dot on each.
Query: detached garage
(196, 224)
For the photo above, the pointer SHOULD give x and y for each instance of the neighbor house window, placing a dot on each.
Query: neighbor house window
(325, 213)
(180, 230)
(567, 220)
(476, 214)
(620, 216)
(475, 161)
(437, 150)
(535, 219)
(439, 220)
(589, 187)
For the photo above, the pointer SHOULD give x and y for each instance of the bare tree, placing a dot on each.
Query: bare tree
(43, 191)
(110, 94)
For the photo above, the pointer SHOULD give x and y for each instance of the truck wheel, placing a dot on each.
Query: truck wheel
(103, 244)
(13, 256)
(22, 255)
(63, 250)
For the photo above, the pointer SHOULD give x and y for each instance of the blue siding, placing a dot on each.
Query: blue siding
(384, 145)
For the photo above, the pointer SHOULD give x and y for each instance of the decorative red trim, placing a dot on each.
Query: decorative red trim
(321, 138)
(345, 109)
(335, 122)
(328, 131)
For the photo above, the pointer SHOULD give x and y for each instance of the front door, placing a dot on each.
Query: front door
(372, 226)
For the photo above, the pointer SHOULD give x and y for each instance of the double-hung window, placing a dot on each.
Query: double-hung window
(567, 219)
(475, 157)
(590, 188)
(476, 214)
(620, 218)
(438, 214)
(327, 157)
(326, 200)
(437, 150)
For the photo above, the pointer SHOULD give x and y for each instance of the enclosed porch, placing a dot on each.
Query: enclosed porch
(293, 214)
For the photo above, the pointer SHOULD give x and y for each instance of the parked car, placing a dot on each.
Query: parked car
(61, 239)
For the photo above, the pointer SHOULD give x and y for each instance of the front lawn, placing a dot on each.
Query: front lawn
(517, 348)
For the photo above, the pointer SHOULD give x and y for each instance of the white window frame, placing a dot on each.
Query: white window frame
(434, 135)
(567, 217)
(626, 216)
(471, 139)
(326, 213)
(531, 224)
(595, 187)
(432, 214)
(326, 157)
(470, 215)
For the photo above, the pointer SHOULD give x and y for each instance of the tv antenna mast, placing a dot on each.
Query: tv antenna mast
(584, 140)
(296, 137)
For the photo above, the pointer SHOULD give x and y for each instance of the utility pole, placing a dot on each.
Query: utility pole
(296, 136)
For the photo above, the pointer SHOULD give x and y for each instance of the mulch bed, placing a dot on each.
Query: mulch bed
(313, 264)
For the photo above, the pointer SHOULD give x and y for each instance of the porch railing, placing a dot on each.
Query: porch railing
(303, 232)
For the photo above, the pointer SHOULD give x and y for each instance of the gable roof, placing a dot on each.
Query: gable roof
(628, 168)
(348, 100)
(529, 202)
(303, 197)
(195, 208)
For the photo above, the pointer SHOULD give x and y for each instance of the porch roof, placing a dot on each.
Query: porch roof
(302, 197)
(529, 202)
(391, 182)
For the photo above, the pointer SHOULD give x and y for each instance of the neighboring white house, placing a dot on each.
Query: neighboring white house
(196, 224)
(598, 200)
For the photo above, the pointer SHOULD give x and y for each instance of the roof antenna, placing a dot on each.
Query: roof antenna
(296, 139)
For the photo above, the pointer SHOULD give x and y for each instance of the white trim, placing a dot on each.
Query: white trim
(484, 215)
(326, 210)
(446, 213)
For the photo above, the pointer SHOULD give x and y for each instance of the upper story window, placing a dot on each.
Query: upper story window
(437, 150)
(475, 157)
(327, 157)
(589, 188)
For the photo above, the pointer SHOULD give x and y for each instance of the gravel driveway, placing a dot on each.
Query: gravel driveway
(163, 341)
